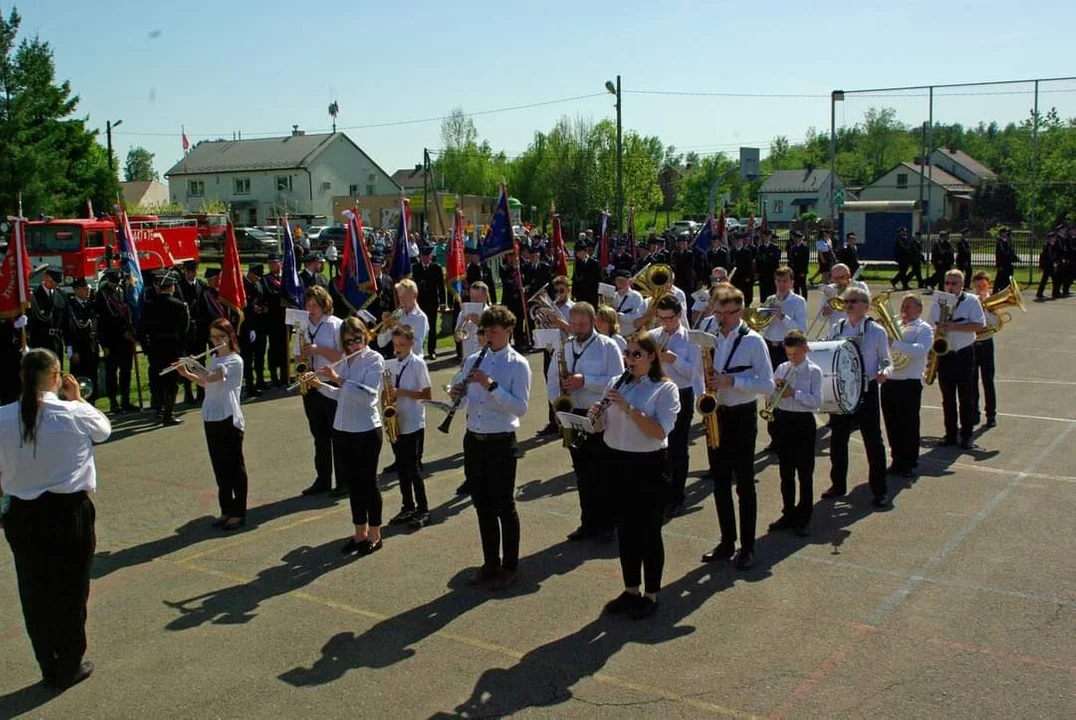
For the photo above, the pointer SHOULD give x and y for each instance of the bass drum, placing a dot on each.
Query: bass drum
(842, 375)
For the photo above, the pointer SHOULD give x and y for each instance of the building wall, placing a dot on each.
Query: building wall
(383, 211)
(940, 160)
(885, 188)
(789, 212)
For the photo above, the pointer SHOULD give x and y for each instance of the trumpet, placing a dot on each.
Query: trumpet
(187, 360)
(768, 411)
(389, 320)
(389, 413)
(302, 380)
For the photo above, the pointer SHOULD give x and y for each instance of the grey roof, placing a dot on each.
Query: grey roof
(968, 162)
(409, 178)
(283, 153)
(804, 180)
(938, 176)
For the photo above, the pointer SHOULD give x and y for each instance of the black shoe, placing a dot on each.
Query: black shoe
(351, 547)
(389, 468)
(550, 429)
(623, 603)
(114, 409)
(505, 579)
(485, 575)
(744, 560)
(366, 547)
(967, 445)
(431, 356)
(463, 489)
(834, 492)
(907, 473)
(894, 469)
(947, 442)
(771, 448)
(1040, 298)
(880, 501)
(978, 419)
(644, 609)
(802, 531)
(782, 523)
(421, 466)
(188, 399)
(402, 517)
(83, 672)
(338, 492)
(254, 393)
(991, 422)
(674, 510)
(128, 407)
(419, 520)
(233, 523)
(723, 551)
(171, 421)
(604, 537)
(316, 489)
(580, 533)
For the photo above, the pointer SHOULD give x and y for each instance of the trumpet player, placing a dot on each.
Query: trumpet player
(321, 347)
(874, 346)
(592, 361)
(682, 361)
(466, 331)
(741, 372)
(354, 386)
(956, 368)
(984, 354)
(788, 313)
(842, 280)
(409, 314)
(555, 317)
(411, 383)
(902, 392)
(799, 382)
(629, 303)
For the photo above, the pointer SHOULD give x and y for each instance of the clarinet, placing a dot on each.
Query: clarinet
(447, 423)
(605, 402)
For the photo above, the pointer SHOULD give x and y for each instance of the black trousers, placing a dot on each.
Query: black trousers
(547, 358)
(799, 284)
(767, 286)
(87, 365)
(795, 452)
(1002, 278)
(412, 486)
(902, 277)
(676, 459)
(431, 336)
(53, 541)
(277, 341)
(164, 394)
(984, 369)
(225, 443)
(253, 354)
(738, 431)
(10, 383)
(966, 269)
(591, 479)
(640, 488)
(356, 456)
(901, 404)
(869, 419)
(917, 273)
(119, 359)
(490, 466)
(956, 376)
(747, 287)
(320, 414)
(777, 356)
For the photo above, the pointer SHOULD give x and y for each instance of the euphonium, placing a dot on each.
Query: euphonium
(768, 410)
(707, 405)
(538, 306)
(654, 282)
(884, 316)
(996, 304)
(389, 419)
(564, 402)
(758, 319)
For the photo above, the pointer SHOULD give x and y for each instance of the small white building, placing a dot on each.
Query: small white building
(145, 194)
(262, 179)
(943, 195)
(787, 194)
(962, 166)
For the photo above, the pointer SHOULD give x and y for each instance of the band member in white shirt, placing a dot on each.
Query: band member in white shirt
(47, 469)
(741, 372)
(708, 321)
(224, 423)
(874, 346)
(321, 348)
(467, 325)
(640, 412)
(800, 383)
(902, 392)
(629, 303)
(984, 354)
(411, 379)
(842, 280)
(607, 321)
(592, 361)
(789, 314)
(956, 368)
(682, 362)
(557, 318)
(407, 295)
(497, 391)
(357, 436)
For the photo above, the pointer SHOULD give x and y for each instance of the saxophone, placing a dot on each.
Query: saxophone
(707, 405)
(389, 418)
(940, 346)
(564, 402)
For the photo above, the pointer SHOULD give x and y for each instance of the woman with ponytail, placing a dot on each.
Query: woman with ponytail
(47, 469)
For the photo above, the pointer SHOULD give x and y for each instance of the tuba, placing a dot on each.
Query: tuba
(997, 304)
(880, 305)
(389, 414)
(654, 282)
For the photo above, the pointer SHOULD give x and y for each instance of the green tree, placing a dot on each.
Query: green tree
(47, 157)
(139, 165)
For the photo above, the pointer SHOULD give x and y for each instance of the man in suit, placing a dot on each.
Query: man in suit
(622, 259)
(799, 259)
(191, 290)
(311, 274)
(849, 253)
(963, 255)
(430, 278)
(252, 334)
(480, 272)
(276, 332)
(685, 264)
(164, 325)
(587, 275)
(385, 302)
(941, 259)
(48, 324)
(656, 254)
(744, 261)
(82, 347)
(769, 259)
(535, 272)
(512, 298)
(1005, 260)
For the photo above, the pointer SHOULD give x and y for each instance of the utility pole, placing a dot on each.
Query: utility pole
(615, 90)
(109, 127)
(425, 189)
(834, 97)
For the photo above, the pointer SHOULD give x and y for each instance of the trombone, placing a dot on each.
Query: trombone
(187, 360)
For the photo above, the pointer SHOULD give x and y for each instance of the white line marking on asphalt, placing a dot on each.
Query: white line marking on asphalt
(1014, 415)
(1035, 381)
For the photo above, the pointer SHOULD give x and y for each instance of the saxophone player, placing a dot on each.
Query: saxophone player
(592, 361)
(902, 392)
(956, 368)
(799, 382)
(410, 379)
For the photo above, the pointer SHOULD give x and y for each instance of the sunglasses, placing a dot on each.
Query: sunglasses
(852, 301)
(636, 354)
(354, 341)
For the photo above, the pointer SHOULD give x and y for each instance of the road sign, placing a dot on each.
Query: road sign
(838, 197)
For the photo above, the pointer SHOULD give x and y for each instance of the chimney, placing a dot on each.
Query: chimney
(295, 131)
(809, 170)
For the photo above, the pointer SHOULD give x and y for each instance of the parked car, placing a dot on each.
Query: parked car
(333, 235)
(314, 232)
(255, 240)
(681, 226)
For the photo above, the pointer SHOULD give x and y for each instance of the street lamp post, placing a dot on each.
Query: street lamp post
(615, 90)
(835, 97)
(109, 127)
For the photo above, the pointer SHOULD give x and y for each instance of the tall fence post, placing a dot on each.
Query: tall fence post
(1034, 179)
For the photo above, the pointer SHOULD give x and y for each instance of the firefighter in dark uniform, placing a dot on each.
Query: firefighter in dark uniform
(47, 326)
(655, 255)
(82, 346)
(116, 335)
(622, 259)
(685, 264)
(512, 298)
(744, 262)
(430, 278)
(385, 301)
(1067, 241)
(252, 331)
(902, 256)
(915, 257)
(799, 259)
(190, 289)
(1005, 260)
(10, 359)
(849, 253)
(276, 332)
(586, 276)
(769, 259)
(535, 273)
(480, 271)
(165, 324)
(941, 259)
(963, 256)
(718, 256)
(311, 274)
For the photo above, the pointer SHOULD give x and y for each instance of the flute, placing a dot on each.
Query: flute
(306, 376)
(183, 361)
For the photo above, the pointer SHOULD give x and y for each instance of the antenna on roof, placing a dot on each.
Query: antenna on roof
(334, 110)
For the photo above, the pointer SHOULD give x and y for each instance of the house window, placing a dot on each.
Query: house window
(778, 206)
(196, 188)
(242, 186)
(352, 190)
(369, 189)
(283, 183)
(902, 180)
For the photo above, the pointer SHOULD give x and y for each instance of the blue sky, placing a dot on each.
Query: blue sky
(260, 67)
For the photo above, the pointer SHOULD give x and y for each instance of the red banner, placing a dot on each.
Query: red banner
(232, 291)
(764, 228)
(15, 273)
(455, 268)
(721, 225)
(750, 226)
(560, 254)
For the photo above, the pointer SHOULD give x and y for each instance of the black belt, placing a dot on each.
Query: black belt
(486, 437)
(743, 408)
(775, 343)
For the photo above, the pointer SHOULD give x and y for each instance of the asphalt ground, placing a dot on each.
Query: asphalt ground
(956, 602)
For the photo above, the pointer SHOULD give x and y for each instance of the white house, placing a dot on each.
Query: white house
(787, 194)
(943, 195)
(962, 166)
(146, 194)
(262, 179)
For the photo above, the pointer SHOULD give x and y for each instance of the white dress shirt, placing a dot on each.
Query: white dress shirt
(325, 334)
(966, 309)
(837, 315)
(359, 395)
(498, 411)
(917, 337)
(565, 309)
(620, 342)
(657, 400)
(629, 306)
(749, 366)
(872, 340)
(470, 345)
(60, 459)
(597, 359)
(684, 320)
(806, 386)
(991, 319)
(795, 309)
(222, 397)
(419, 324)
(686, 372)
(409, 373)
(709, 324)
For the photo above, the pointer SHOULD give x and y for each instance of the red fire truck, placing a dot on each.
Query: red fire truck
(81, 246)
